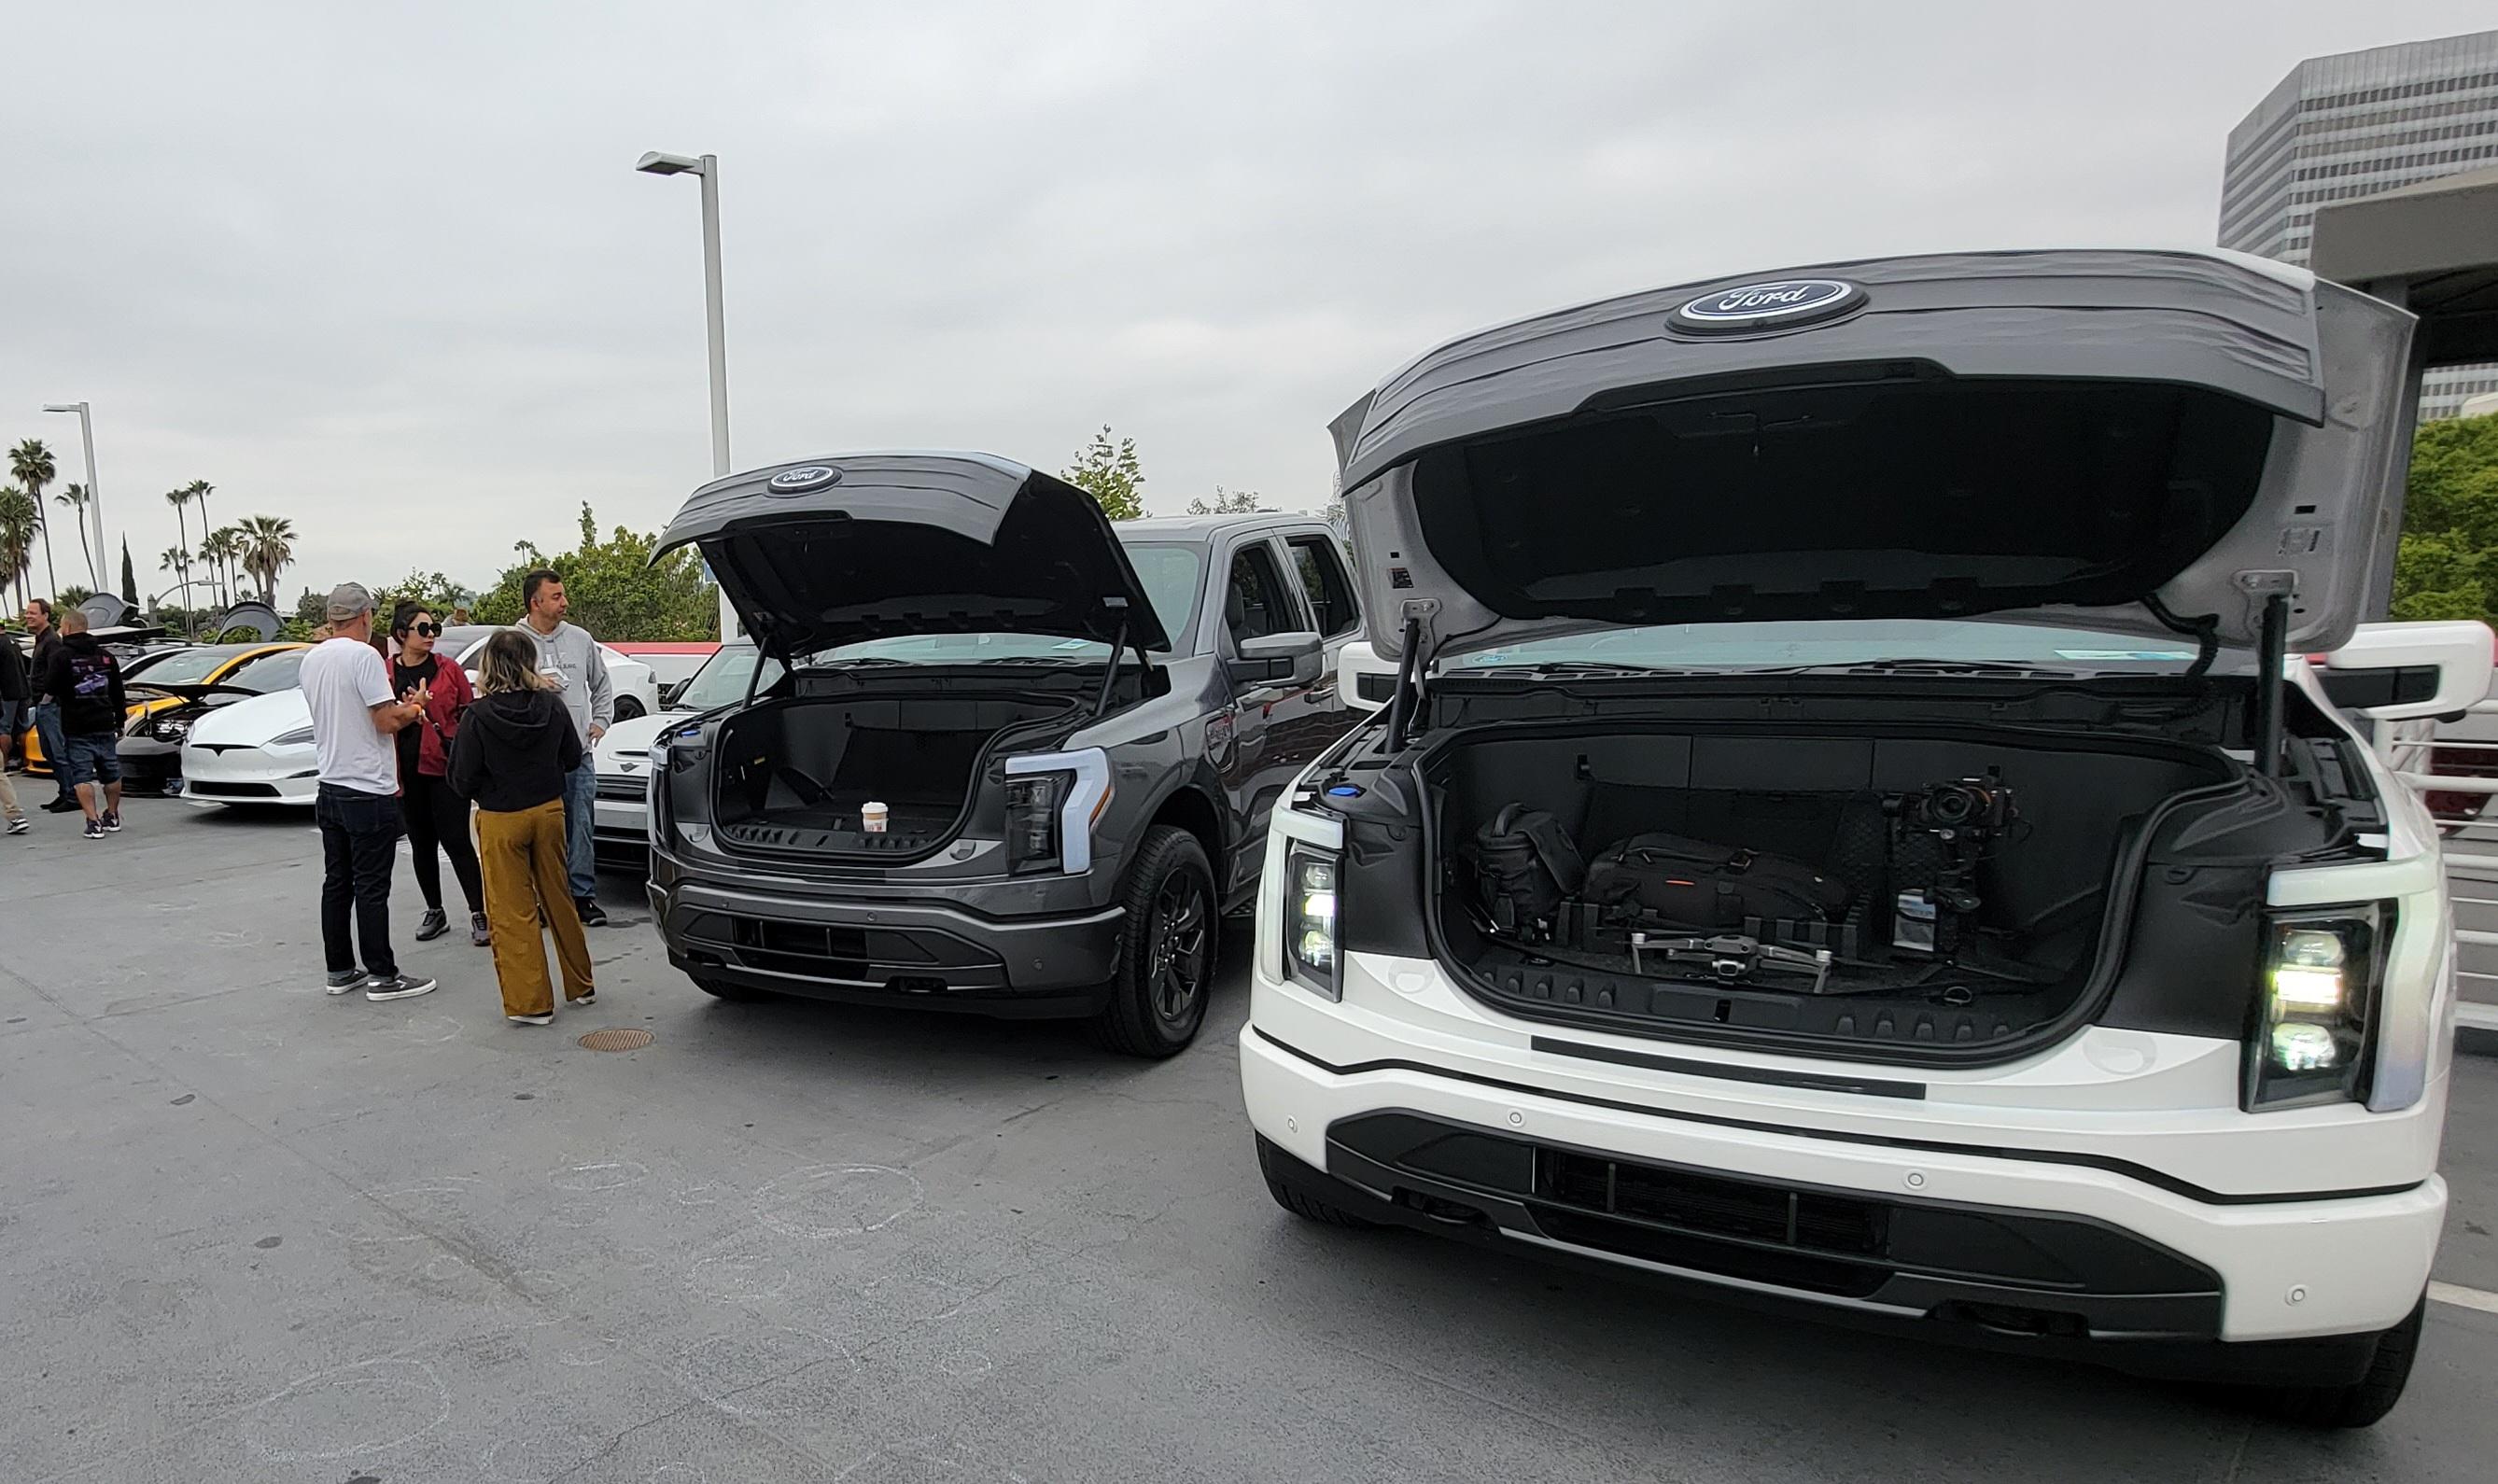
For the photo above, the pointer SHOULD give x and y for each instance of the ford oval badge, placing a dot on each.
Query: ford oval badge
(1759, 306)
(813, 476)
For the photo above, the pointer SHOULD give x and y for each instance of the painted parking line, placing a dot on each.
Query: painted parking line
(2464, 1298)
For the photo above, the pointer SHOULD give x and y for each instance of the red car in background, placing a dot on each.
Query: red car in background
(672, 662)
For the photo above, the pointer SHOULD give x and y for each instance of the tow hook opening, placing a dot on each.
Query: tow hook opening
(1453, 1212)
(2014, 1319)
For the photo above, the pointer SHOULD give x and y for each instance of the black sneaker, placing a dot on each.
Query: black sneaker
(432, 926)
(347, 979)
(63, 806)
(477, 932)
(17, 824)
(95, 828)
(591, 915)
(112, 821)
(399, 985)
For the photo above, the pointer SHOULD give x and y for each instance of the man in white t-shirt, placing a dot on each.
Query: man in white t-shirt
(354, 715)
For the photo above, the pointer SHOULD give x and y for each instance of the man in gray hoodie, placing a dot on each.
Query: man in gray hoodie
(571, 660)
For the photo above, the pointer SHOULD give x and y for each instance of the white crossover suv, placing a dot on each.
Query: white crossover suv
(1847, 831)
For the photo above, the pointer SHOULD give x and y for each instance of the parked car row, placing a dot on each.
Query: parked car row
(1807, 793)
(257, 750)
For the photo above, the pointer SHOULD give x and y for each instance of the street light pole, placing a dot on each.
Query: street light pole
(707, 167)
(94, 512)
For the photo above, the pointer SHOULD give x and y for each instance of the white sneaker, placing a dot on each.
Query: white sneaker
(590, 998)
(547, 1019)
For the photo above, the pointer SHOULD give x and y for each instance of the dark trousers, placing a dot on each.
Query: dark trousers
(47, 731)
(359, 836)
(436, 818)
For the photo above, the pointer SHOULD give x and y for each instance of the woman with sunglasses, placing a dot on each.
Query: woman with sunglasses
(435, 816)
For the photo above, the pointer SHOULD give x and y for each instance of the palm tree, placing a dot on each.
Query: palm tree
(177, 561)
(19, 522)
(30, 464)
(213, 552)
(200, 489)
(181, 500)
(73, 498)
(269, 549)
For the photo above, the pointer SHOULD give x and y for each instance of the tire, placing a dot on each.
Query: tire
(721, 989)
(627, 707)
(1308, 1208)
(1166, 955)
(2362, 1402)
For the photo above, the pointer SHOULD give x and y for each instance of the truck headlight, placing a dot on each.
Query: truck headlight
(2318, 1003)
(1311, 939)
(1053, 802)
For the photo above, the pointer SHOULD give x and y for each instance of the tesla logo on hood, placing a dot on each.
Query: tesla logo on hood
(814, 476)
(1778, 306)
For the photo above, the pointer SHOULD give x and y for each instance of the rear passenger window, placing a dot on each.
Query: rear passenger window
(1255, 602)
(1323, 578)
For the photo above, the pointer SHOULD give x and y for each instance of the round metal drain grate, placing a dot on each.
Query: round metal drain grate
(617, 1038)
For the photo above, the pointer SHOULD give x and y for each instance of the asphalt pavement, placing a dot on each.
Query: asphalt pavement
(249, 1232)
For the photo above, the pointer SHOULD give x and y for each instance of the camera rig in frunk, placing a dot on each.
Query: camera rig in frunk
(1899, 898)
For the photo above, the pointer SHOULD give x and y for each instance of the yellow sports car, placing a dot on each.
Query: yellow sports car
(167, 682)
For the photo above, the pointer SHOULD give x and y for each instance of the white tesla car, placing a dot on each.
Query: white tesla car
(622, 814)
(259, 750)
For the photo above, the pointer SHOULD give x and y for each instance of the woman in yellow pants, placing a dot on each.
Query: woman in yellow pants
(511, 757)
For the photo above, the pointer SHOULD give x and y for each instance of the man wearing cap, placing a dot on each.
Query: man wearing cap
(354, 715)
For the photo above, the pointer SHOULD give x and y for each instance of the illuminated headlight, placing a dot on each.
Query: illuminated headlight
(2319, 993)
(1311, 941)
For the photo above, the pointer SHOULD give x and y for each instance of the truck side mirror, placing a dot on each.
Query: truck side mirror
(2401, 672)
(1366, 681)
(1290, 658)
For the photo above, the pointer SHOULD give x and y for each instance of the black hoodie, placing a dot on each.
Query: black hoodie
(513, 750)
(85, 680)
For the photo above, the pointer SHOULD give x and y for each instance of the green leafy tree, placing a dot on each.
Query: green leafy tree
(438, 593)
(1111, 474)
(1231, 502)
(313, 608)
(2446, 566)
(129, 574)
(73, 595)
(617, 590)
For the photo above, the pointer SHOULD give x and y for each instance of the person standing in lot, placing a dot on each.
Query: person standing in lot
(435, 815)
(84, 680)
(354, 717)
(17, 691)
(569, 661)
(512, 756)
(46, 709)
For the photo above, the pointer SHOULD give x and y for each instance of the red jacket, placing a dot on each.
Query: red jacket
(452, 696)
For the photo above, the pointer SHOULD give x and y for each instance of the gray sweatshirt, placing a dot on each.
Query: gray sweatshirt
(572, 658)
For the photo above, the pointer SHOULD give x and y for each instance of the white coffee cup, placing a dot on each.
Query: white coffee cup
(872, 817)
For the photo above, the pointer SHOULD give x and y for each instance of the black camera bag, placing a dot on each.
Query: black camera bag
(1524, 865)
(1693, 883)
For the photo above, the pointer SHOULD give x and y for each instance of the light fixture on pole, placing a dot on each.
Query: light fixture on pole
(95, 512)
(707, 167)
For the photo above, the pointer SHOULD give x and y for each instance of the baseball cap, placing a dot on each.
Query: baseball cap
(348, 599)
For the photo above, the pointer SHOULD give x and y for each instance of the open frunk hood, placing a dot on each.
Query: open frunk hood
(2054, 437)
(833, 550)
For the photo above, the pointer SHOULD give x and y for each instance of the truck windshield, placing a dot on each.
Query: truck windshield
(1784, 646)
(1171, 572)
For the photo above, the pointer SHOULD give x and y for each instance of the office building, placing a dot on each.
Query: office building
(2352, 125)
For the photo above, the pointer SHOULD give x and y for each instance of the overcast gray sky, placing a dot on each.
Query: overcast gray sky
(386, 269)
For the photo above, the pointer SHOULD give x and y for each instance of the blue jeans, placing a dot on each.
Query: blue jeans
(47, 731)
(580, 799)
